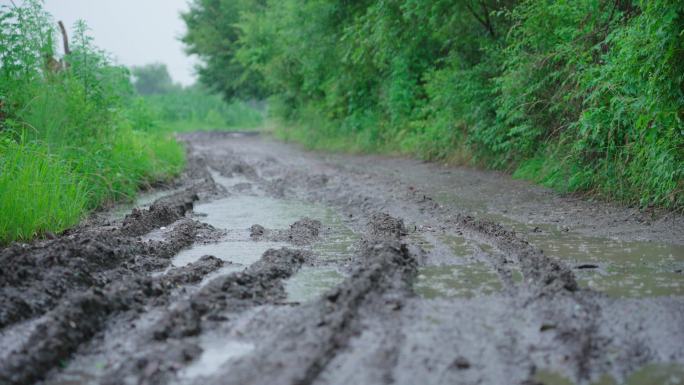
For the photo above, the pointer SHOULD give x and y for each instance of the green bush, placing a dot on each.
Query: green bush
(40, 192)
(194, 108)
(582, 95)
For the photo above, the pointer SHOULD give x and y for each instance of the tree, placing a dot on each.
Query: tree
(152, 79)
(213, 35)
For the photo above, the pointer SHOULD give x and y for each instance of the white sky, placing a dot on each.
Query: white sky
(135, 32)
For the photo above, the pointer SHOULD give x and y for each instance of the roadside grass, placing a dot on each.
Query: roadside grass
(40, 192)
(71, 138)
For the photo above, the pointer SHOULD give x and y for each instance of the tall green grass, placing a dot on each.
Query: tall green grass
(71, 139)
(194, 108)
(178, 108)
(40, 192)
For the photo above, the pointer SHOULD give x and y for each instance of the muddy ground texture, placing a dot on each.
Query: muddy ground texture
(265, 264)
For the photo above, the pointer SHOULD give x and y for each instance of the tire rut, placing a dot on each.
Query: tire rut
(109, 286)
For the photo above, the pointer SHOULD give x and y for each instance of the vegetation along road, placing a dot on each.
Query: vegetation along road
(370, 192)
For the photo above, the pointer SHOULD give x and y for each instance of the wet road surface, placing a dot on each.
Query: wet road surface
(266, 264)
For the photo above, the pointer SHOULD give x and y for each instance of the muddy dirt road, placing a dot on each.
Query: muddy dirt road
(264, 264)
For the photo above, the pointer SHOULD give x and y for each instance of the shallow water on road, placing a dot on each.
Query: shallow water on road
(215, 353)
(236, 213)
(237, 252)
(242, 211)
(228, 182)
(623, 268)
(309, 283)
(339, 241)
(464, 281)
(618, 268)
(635, 269)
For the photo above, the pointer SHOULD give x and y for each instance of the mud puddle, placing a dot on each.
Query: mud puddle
(457, 281)
(216, 352)
(236, 213)
(311, 282)
(617, 268)
(465, 276)
(339, 242)
(239, 212)
(634, 269)
(236, 252)
(235, 180)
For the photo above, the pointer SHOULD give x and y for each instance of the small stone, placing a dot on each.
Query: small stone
(460, 363)
(256, 231)
(547, 327)
(586, 266)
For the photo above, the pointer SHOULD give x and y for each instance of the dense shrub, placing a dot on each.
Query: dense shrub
(581, 95)
(195, 108)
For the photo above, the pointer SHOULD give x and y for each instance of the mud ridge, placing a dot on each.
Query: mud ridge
(166, 347)
(546, 274)
(260, 283)
(571, 314)
(162, 212)
(303, 232)
(78, 318)
(34, 277)
(300, 351)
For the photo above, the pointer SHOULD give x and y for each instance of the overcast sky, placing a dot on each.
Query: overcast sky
(135, 32)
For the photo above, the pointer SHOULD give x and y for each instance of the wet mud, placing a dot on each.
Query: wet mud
(265, 264)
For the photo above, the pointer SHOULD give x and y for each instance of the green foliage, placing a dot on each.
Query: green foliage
(152, 79)
(632, 124)
(581, 95)
(68, 129)
(39, 192)
(213, 36)
(194, 108)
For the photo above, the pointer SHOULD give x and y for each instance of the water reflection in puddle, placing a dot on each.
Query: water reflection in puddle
(311, 282)
(462, 247)
(634, 282)
(236, 213)
(464, 281)
(617, 268)
(580, 248)
(228, 182)
(458, 245)
(216, 352)
(624, 269)
(338, 242)
(238, 252)
(241, 211)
